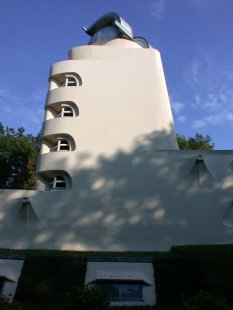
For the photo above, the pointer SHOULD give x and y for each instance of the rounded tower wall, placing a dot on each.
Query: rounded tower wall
(117, 94)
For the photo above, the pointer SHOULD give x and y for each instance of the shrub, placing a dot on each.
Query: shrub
(204, 301)
(45, 280)
(6, 305)
(174, 286)
(88, 298)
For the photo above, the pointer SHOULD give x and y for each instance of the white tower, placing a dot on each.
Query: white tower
(110, 175)
(109, 95)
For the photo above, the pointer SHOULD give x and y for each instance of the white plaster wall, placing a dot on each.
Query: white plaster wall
(123, 96)
(129, 186)
(144, 200)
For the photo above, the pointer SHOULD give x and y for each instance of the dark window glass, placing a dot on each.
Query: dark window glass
(123, 292)
(57, 182)
(71, 81)
(68, 112)
(64, 145)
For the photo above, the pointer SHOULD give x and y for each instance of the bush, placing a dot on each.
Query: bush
(45, 280)
(174, 286)
(88, 298)
(205, 301)
(6, 305)
(216, 265)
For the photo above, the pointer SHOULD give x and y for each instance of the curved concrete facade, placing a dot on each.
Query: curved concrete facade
(123, 185)
(120, 94)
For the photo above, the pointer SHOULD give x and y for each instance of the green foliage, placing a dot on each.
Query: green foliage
(49, 279)
(177, 279)
(199, 142)
(18, 155)
(204, 301)
(89, 298)
(6, 305)
(216, 262)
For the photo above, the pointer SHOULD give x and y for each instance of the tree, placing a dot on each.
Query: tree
(199, 142)
(89, 298)
(18, 155)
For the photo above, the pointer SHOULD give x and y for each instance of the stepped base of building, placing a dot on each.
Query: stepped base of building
(145, 201)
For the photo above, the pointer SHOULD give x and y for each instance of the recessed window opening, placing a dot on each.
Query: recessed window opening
(124, 282)
(65, 80)
(62, 145)
(57, 182)
(57, 142)
(66, 112)
(123, 291)
(54, 180)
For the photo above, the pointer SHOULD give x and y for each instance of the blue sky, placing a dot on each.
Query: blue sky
(194, 37)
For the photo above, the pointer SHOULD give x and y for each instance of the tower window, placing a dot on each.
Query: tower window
(71, 81)
(62, 145)
(57, 182)
(66, 111)
(65, 80)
